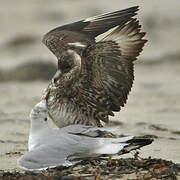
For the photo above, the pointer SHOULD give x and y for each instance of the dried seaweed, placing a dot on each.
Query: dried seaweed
(130, 168)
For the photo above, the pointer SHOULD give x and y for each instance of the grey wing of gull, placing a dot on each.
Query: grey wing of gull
(66, 149)
(69, 145)
(59, 148)
(94, 141)
(44, 157)
(89, 130)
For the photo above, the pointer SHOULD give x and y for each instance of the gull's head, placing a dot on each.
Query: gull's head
(39, 112)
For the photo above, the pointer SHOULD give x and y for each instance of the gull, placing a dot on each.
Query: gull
(95, 67)
(51, 147)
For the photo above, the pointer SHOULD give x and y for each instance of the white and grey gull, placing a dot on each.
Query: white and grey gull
(51, 147)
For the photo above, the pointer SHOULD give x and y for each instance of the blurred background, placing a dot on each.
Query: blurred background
(26, 66)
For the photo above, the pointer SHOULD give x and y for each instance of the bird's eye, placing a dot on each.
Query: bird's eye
(45, 119)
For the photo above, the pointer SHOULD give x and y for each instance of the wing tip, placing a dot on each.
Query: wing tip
(141, 140)
(115, 18)
(129, 37)
(124, 12)
(136, 143)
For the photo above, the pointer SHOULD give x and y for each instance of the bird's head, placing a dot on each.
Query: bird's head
(69, 66)
(39, 112)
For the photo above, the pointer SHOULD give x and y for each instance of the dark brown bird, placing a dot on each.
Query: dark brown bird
(94, 77)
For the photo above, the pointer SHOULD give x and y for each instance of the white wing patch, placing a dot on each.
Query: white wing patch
(77, 44)
(95, 18)
(102, 17)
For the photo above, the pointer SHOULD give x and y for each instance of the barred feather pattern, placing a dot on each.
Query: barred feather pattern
(95, 77)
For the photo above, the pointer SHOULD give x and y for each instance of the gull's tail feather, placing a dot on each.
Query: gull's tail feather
(136, 143)
(122, 145)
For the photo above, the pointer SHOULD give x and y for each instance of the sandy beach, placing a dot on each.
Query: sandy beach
(153, 106)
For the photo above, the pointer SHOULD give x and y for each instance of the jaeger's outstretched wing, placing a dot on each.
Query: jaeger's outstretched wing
(96, 76)
(96, 25)
(108, 67)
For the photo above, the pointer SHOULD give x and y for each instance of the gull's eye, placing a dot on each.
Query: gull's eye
(45, 119)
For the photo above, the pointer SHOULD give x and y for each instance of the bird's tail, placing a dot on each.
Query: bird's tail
(136, 143)
(122, 145)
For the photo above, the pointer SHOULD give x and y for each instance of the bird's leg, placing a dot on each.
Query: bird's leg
(45, 173)
(110, 160)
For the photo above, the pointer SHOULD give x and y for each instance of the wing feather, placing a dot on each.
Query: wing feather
(129, 39)
(109, 64)
(96, 25)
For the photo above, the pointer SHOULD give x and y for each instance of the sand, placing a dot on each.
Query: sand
(153, 106)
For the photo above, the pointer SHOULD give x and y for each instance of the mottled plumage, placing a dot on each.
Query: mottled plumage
(93, 78)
